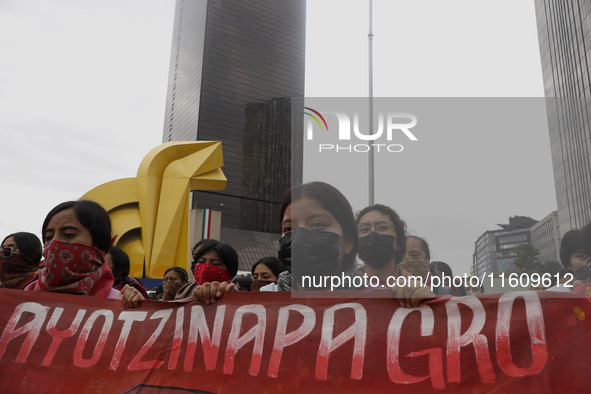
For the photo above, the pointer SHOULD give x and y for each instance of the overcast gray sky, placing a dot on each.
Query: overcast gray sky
(449, 190)
(83, 88)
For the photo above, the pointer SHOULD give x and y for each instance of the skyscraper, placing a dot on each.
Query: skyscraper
(564, 30)
(235, 69)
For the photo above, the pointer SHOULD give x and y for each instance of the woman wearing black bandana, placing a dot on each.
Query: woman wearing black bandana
(382, 245)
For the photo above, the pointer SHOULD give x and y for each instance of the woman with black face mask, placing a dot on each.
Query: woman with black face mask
(382, 241)
(318, 236)
(382, 246)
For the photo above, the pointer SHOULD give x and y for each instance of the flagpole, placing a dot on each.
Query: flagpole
(371, 185)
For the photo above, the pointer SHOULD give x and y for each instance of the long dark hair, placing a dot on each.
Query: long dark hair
(181, 271)
(120, 261)
(399, 226)
(424, 245)
(572, 242)
(273, 263)
(197, 245)
(90, 215)
(28, 245)
(227, 254)
(334, 202)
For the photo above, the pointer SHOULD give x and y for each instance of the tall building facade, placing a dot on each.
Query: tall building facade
(545, 237)
(494, 251)
(564, 30)
(235, 72)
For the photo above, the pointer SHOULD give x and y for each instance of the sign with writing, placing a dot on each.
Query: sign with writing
(270, 342)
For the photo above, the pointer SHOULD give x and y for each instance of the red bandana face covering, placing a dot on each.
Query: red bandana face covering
(75, 268)
(206, 272)
(16, 271)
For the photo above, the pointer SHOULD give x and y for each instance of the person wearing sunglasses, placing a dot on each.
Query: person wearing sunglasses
(19, 260)
(76, 236)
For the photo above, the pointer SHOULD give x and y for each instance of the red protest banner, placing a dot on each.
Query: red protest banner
(269, 342)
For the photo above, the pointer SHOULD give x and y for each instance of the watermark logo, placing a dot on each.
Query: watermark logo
(315, 118)
(391, 125)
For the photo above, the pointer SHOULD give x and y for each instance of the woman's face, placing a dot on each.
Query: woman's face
(414, 248)
(11, 243)
(64, 226)
(262, 272)
(309, 214)
(212, 257)
(172, 277)
(577, 261)
(377, 222)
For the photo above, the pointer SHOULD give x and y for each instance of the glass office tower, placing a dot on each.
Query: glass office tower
(236, 68)
(564, 29)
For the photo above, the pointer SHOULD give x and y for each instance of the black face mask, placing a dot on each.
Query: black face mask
(583, 274)
(316, 253)
(284, 252)
(377, 250)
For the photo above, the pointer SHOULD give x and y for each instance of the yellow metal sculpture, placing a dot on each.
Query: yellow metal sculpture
(150, 213)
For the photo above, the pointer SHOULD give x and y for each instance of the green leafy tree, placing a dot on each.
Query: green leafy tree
(527, 260)
(552, 267)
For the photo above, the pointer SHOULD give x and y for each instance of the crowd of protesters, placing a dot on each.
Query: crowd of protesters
(320, 237)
